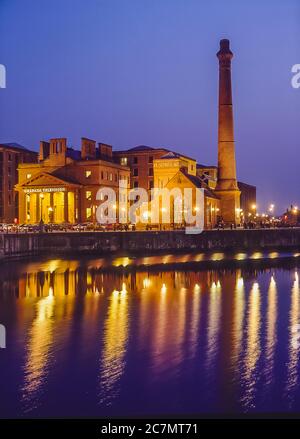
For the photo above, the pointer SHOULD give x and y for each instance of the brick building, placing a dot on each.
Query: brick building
(62, 186)
(11, 155)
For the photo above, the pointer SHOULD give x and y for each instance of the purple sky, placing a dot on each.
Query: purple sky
(131, 72)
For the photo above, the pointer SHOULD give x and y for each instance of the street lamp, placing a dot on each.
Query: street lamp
(271, 208)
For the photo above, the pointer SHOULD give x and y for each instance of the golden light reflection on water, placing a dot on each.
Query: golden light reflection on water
(257, 255)
(39, 354)
(292, 368)
(214, 320)
(215, 317)
(115, 341)
(238, 321)
(253, 348)
(271, 331)
(195, 320)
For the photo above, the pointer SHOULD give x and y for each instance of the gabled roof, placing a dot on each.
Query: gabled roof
(197, 182)
(46, 178)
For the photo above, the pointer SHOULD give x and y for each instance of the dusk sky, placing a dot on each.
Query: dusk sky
(141, 72)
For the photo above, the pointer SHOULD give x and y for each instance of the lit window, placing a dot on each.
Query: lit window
(88, 174)
(88, 213)
(28, 176)
(110, 177)
(123, 161)
(88, 195)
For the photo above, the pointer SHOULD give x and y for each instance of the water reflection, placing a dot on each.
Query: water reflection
(195, 339)
(271, 336)
(294, 338)
(238, 322)
(213, 329)
(39, 352)
(115, 339)
(253, 347)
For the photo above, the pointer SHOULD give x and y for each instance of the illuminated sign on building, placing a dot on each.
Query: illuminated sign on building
(45, 189)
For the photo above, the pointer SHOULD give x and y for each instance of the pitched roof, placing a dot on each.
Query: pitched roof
(14, 145)
(141, 148)
(145, 148)
(200, 184)
(170, 155)
(199, 166)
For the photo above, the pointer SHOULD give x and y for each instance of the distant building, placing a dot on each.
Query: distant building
(248, 198)
(182, 180)
(291, 217)
(11, 155)
(62, 186)
(140, 161)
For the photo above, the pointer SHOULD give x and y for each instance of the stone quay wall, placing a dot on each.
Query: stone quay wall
(19, 245)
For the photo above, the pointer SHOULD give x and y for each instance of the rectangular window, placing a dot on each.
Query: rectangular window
(9, 157)
(102, 175)
(135, 172)
(135, 184)
(123, 161)
(88, 195)
(135, 160)
(150, 172)
(151, 159)
(151, 184)
(9, 185)
(110, 177)
(88, 213)
(88, 174)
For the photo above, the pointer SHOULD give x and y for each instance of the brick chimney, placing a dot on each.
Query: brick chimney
(88, 149)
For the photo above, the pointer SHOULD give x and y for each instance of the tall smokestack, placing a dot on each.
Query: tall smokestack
(227, 188)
